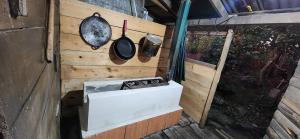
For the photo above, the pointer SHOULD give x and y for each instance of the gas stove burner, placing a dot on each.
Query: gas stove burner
(143, 84)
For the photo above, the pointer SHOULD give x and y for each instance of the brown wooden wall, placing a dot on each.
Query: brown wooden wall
(80, 63)
(29, 85)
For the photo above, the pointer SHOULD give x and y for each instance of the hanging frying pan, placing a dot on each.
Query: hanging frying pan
(123, 47)
(95, 31)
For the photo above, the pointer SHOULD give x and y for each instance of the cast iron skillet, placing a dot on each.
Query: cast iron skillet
(95, 31)
(123, 47)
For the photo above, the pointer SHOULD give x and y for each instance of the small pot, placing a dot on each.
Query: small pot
(151, 45)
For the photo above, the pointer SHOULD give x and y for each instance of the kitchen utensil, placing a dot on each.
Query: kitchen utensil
(95, 31)
(124, 47)
(151, 45)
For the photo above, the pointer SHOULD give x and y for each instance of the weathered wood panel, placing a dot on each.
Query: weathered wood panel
(196, 88)
(272, 134)
(279, 130)
(108, 59)
(22, 61)
(193, 99)
(287, 125)
(102, 72)
(201, 83)
(81, 10)
(70, 25)
(80, 62)
(292, 98)
(32, 112)
(217, 76)
(286, 120)
(36, 15)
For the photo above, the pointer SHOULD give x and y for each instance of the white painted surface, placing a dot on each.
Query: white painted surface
(110, 109)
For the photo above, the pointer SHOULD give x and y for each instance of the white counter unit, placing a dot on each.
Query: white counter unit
(106, 106)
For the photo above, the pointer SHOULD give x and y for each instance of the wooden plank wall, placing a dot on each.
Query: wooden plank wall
(286, 120)
(80, 63)
(201, 83)
(199, 78)
(30, 85)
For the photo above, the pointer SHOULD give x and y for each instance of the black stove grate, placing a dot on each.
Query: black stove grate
(143, 84)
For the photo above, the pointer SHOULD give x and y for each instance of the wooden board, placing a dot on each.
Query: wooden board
(193, 100)
(101, 59)
(35, 17)
(172, 118)
(141, 129)
(292, 98)
(202, 70)
(196, 88)
(279, 130)
(22, 62)
(81, 10)
(271, 133)
(295, 81)
(289, 127)
(289, 113)
(217, 76)
(137, 130)
(201, 83)
(156, 124)
(102, 72)
(80, 62)
(33, 109)
(70, 25)
(75, 43)
(117, 133)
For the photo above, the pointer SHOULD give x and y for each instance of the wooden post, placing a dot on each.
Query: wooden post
(216, 78)
(50, 43)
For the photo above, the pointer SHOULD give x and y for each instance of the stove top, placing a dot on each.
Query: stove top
(143, 84)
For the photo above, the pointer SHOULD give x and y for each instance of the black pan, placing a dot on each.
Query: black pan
(124, 47)
(95, 31)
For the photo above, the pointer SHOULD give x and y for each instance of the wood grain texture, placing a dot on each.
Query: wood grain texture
(217, 76)
(75, 43)
(291, 98)
(137, 130)
(102, 72)
(289, 113)
(51, 31)
(35, 18)
(117, 133)
(70, 25)
(279, 130)
(74, 8)
(193, 100)
(32, 112)
(196, 88)
(156, 124)
(141, 129)
(172, 118)
(80, 62)
(295, 81)
(289, 127)
(22, 63)
(271, 133)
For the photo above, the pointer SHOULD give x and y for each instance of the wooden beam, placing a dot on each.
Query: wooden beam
(50, 43)
(217, 76)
